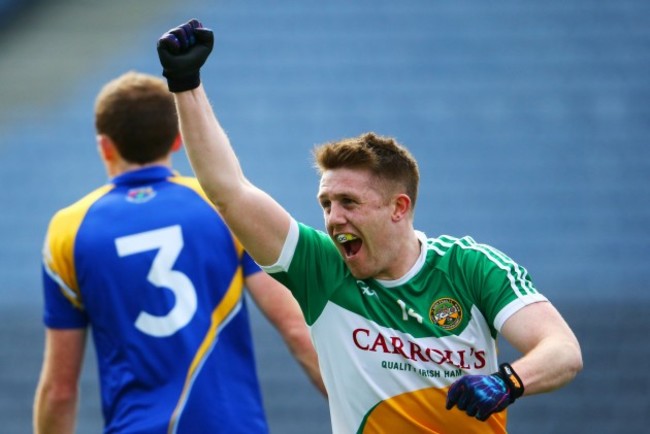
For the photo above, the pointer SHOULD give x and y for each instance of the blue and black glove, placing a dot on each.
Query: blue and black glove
(182, 51)
(482, 395)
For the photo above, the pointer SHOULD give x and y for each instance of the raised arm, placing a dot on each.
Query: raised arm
(259, 222)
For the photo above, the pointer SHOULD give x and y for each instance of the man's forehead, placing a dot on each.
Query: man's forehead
(345, 182)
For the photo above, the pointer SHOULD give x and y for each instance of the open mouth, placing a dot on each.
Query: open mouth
(350, 243)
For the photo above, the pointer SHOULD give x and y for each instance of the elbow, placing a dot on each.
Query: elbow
(573, 362)
(59, 396)
(577, 363)
(55, 408)
(297, 338)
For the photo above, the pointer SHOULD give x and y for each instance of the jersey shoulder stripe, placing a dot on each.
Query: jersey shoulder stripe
(517, 275)
(193, 184)
(58, 249)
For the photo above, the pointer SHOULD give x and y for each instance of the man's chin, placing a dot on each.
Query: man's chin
(357, 272)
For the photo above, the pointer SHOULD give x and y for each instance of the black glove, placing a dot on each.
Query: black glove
(182, 52)
(482, 395)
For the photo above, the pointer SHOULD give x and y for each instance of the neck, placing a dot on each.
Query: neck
(413, 251)
(119, 167)
(403, 258)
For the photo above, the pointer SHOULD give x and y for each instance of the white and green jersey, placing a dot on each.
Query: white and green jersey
(389, 350)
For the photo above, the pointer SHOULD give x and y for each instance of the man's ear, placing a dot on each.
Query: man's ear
(402, 207)
(178, 143)
(106, 148)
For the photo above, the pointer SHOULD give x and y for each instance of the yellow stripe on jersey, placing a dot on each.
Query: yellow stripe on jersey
(193, 184)
(58, 249)
(230, 301)
(423, 412)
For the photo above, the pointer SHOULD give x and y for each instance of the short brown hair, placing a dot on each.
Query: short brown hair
(138, 113)
(382, 156)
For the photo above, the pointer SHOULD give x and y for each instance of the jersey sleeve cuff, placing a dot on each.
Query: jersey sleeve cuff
(289, 248)
(514, 306)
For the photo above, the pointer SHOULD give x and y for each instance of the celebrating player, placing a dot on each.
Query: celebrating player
(147, 263)
(405, 326)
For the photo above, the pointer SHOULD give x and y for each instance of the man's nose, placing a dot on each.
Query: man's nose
(336, 215)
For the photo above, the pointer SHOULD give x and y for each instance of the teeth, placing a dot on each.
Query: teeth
(342, 238)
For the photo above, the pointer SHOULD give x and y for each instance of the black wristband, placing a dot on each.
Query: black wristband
(512, 380)
(181, 83)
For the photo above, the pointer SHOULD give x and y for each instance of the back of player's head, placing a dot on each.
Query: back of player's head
(138, 113)
(387, 160)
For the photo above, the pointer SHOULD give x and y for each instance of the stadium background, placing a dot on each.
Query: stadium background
(530, 120)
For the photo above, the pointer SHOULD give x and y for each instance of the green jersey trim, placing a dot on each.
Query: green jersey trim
(449, 270)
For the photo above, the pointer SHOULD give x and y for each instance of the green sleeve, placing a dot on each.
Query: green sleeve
(315, 271)
(492, 279)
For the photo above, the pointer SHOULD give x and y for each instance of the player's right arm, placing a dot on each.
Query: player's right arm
(282, 310)
(257, 220)
(57, 393)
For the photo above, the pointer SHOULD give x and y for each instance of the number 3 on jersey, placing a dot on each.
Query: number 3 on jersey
(169, 243)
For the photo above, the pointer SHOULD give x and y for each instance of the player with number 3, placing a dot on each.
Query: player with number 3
(146, 263)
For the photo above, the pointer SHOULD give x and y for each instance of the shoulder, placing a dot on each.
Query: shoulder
(62, 231)
(316, 240)
(466, 245)
(188, 181)
(447, 245)
(72, 215)
(192, 184)
(465, 253)
(308, 231)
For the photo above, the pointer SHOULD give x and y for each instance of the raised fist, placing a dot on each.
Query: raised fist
(182, 51)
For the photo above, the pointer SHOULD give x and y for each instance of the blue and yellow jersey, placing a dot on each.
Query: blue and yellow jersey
(147, 263)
